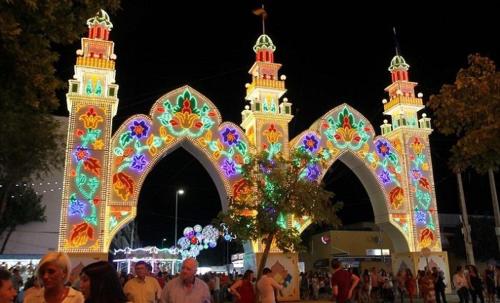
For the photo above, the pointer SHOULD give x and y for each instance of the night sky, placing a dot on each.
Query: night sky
(331, 54)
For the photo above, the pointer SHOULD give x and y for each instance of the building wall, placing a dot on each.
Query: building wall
(344, 243)
(38, 238)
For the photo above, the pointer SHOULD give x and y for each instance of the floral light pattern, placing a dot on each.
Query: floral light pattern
(85, 173)
(344, 130)
(145, 139)
(420, 181)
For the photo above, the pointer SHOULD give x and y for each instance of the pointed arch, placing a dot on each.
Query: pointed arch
(182, 118)
(346, 135)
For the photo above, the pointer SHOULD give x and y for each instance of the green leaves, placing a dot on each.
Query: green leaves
(469, 108)
(278, 194)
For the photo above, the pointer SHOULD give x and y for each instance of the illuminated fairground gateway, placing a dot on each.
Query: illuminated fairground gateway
(104, 172)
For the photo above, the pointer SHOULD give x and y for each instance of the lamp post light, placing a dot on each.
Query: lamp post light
(177, 193)
(163, 242)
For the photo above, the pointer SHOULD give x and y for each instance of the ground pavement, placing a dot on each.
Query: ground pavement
(452, 298)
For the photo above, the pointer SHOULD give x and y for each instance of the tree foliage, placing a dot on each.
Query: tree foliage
(24, 206)
(29, 31)
(274, 189)
(483, 238)
(469, 108)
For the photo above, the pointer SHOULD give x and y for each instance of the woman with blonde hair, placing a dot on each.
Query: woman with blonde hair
(53, 273)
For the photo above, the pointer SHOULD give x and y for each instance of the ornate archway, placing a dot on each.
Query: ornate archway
(186, 118)
(104, 173)
(346, 135)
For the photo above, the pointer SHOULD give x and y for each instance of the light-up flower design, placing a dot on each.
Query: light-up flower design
(242, 190)
(417, 146)
(81, 153)
(139, 162)
(230, 136)
(426, 237)
(345, 132)
(385, 177)
(382, 148)
(396, 197)
(139, 129)
(81, 234)
(272, 134)
(91, 119)
(313, 172)
(76, 207)
(421, 217)
(416, 174)
(311, 143)
(229, 168)
(123, 185)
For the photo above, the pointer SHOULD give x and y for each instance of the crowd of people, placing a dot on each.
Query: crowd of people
(377, 285)
(100, 283)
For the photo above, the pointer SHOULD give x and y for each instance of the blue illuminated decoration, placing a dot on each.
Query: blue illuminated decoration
(311, 143)
(76, 207)
(385, 177)
(139, 162)
(139, 129)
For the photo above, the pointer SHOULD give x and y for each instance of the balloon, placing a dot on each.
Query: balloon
(183, 243)
(188, 231)
(197, 228)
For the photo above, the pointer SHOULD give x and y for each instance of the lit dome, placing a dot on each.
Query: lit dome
(398, 62)
(264, 42)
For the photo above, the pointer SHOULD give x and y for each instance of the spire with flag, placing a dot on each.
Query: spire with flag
(261, 12)
(396, 42)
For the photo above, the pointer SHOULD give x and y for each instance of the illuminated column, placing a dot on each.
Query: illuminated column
(92, 103)
(410, 136)
(266, 120)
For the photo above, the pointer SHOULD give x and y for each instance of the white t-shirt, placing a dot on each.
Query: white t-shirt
(36, 296)
(175, 292)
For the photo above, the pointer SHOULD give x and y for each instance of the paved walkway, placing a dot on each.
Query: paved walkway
(453, 298)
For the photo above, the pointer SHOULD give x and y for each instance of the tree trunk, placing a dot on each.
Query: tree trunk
(262, 263)
(5, 199)
(465, 220)
(494, 200)
(263, 259)
(11, 230)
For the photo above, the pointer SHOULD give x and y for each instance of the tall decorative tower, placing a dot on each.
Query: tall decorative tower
(411, 136)
(266, 119)
(92, 103)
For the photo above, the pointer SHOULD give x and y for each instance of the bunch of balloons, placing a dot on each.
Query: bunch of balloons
(196, 239)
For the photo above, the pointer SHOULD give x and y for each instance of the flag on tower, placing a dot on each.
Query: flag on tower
(260, 12)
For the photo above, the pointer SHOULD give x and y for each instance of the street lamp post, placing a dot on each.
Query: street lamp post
(163, 242)
(177, 193)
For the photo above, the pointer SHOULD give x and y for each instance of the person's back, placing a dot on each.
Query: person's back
(247, 292)
(342, 279)
(266, 286)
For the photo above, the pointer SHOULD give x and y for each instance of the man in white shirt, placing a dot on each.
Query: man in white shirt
(186, 288)
(142, 288)
(266, 287)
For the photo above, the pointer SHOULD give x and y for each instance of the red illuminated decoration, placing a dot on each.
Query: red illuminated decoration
(81, 234)
(123, 185)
